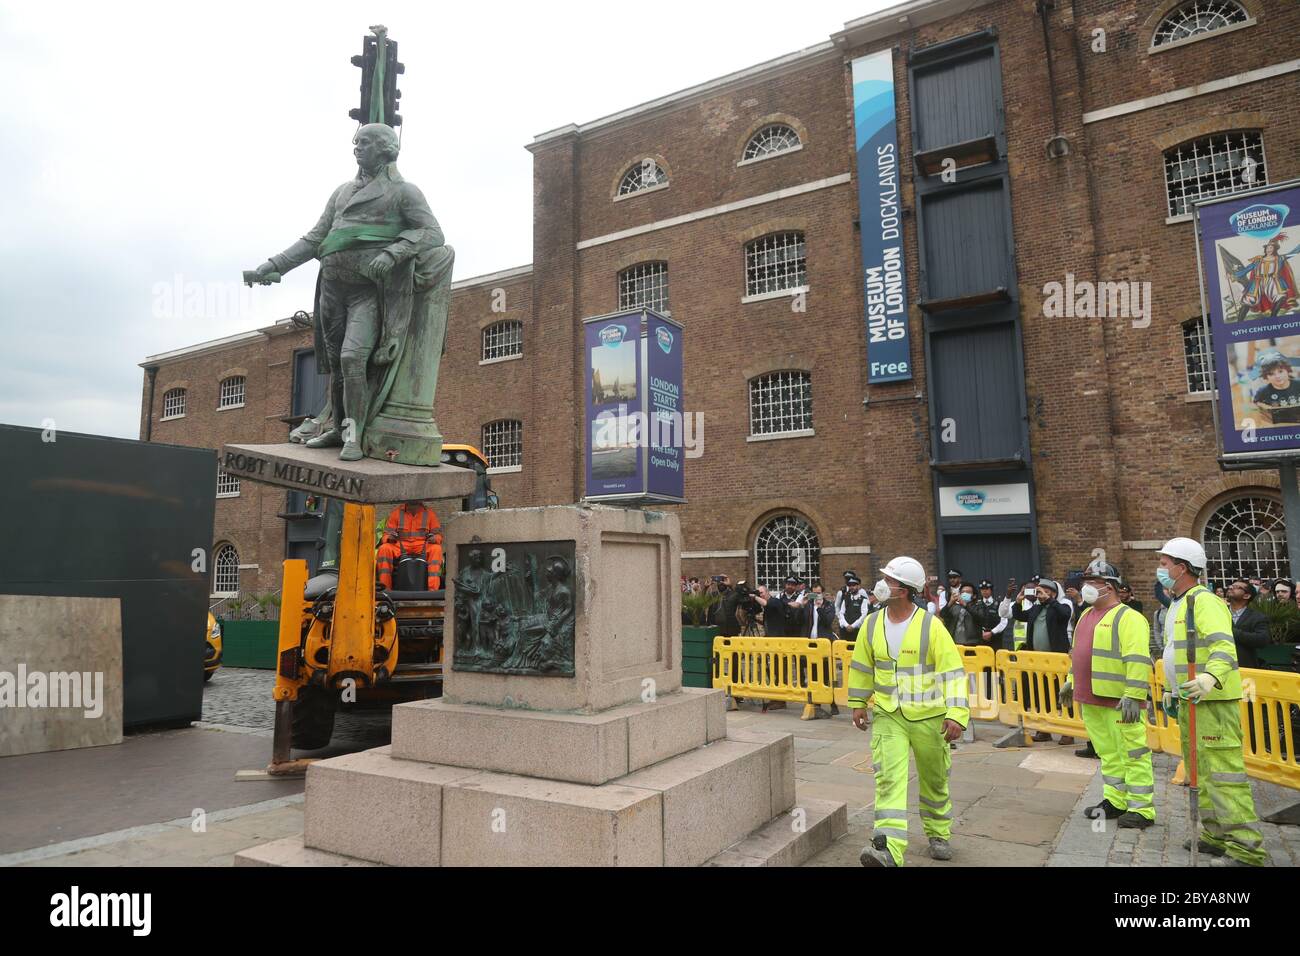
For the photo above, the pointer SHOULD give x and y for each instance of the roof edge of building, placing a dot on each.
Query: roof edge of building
(497, 276)
(212, 345)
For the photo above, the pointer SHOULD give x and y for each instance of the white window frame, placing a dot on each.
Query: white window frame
(500, 327)
(784, 381)
(770, 154)
(1168, 161)
(222, 403)
(232, 485)
(762, 569)
(1199, 330)
(171, 416)
(637, 169)
(1274, 536)
(1155, 47)
(648, 274)
(488, 446)
(779, 242)
(225, 548)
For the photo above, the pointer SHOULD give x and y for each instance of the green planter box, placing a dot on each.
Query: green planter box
(249, 643)
(697, 655)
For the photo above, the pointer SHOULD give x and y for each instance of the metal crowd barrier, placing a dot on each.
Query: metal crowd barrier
(1017, 688)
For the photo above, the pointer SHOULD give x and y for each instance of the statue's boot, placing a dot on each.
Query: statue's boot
(356, 399)
(331, 439)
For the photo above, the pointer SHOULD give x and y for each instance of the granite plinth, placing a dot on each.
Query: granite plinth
(368, 481)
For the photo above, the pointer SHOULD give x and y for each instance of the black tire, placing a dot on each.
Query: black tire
(313, 719)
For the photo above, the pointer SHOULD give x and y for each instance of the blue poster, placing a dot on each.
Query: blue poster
(884, 272)
(1250, 257)
(665, 469)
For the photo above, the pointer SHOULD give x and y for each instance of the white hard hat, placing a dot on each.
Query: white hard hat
(905, 570)
(1185, 549)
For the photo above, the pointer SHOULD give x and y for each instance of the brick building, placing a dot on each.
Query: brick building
(1076, 133)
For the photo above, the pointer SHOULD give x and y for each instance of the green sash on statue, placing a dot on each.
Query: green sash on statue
(349, 237)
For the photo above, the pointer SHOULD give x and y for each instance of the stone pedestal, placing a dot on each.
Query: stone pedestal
(615, 765)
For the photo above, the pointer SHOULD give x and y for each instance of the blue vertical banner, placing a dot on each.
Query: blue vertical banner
(634, 418)
(884, 272)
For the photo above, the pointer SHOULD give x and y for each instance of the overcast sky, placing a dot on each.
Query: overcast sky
(154, 148)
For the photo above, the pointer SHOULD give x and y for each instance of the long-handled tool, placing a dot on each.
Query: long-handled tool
(1193, 796)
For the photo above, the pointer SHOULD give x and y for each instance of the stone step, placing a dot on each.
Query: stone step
(291, 852)
(789, 839)
(676, 812)
(578, 748)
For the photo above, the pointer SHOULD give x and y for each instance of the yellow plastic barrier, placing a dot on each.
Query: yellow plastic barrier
(774, 668)
(983, 680)
(1162, 730)
(1030, 683)
(841, 658)
(1270, 725)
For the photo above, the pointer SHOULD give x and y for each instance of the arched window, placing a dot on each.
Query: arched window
(1198, 17)
(770, 140)
(225, 571)
(780, 403)
(503, 340)
(1246, 538)
(173, 403)
(786, 545)
(775, 263)
(1213, 166)
(227, 485)
(644, 286)
(503, 443)
(232, 392)
(646, 174)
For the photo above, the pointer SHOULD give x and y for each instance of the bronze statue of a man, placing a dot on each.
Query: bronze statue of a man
(380, 250)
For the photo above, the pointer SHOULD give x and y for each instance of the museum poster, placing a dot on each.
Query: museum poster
(633, 406)
(1250, 252)
(884, 271)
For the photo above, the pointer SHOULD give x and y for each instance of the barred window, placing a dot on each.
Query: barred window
(776, 138)
(173, 403)
(1246, 538)
(227, 485)
(780, 402)
(644, 175)
(1197, 17)
(1213, 166)
(225, 574)
(644, 286)
(775, 263)
(503, 443)
(1196, 353)
(787, 545)
(502, 340)
(232, 392)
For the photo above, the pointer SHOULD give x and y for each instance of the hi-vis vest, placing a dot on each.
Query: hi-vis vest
(1209, 622)
(1019, 633)
(927, 680)
(1120, 667)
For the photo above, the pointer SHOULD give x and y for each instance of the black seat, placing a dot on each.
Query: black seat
(325, 581)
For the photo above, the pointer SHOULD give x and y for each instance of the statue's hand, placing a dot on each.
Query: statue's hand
(380, 266)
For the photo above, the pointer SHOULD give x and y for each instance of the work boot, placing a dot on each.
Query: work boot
(1106, 808)
(330, 439)
(1203, 847)
(876, 853)
(1087, 751)
(1041, 737)
(1134, 821)
(1066, 741)
(940, 849)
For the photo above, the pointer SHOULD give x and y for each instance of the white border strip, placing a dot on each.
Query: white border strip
(1187, 92)
(698, 555)
(717, 210)
(492, 277)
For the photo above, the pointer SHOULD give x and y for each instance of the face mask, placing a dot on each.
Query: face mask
(965, 599)
(881, 591)
(1165, 578)
(1089, 594)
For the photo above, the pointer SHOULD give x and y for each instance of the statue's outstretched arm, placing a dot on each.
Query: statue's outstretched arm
(304, 250)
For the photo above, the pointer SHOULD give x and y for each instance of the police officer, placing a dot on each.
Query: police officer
(852, 610)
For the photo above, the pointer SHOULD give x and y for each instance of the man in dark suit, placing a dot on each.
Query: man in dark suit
(1249, 627)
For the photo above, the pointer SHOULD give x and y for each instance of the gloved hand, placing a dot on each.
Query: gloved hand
(1130, 710)
(1067, 696)
(1169, 704)
(1199, 686)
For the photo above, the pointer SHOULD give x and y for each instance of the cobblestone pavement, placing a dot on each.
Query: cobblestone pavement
(239, 698)
(1087, 842)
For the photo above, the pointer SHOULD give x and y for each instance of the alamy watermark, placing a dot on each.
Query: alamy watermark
(41, 689)
(1085, 299)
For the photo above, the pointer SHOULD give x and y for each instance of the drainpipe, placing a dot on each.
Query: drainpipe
(152, 372)
(1057, 146)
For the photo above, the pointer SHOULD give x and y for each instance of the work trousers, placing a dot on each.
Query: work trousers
(893, 738)
(1127, 779)
(1228, 819)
